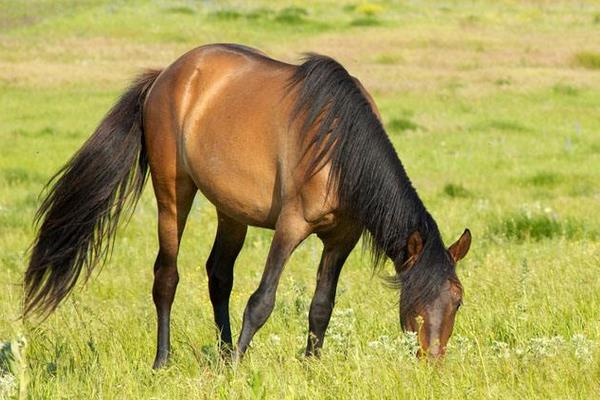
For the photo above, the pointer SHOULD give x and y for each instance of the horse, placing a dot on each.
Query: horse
(299, 149)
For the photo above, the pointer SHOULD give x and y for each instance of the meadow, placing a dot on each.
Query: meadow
(493, 107)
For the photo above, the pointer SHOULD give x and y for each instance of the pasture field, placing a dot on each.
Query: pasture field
(494, 109)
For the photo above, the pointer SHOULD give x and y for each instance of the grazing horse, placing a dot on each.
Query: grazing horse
(295, 148)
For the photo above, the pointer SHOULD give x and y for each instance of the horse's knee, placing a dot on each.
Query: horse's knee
(166, 276)
(260, 306)
(320, 311)
(219, 283)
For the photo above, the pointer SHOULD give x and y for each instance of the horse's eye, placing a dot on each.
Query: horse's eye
(458, 305)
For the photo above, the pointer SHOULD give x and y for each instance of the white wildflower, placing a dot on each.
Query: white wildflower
(409, 344)
(583, 347)
(274, 339)
(520, 351)
(8, 385)
(501, 349)
(384, 343)
(546, 346)
(460, 344)
(341, 327)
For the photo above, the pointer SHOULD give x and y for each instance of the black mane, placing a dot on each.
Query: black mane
(370, 180)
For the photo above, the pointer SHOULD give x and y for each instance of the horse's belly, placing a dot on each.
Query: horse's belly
(236, 175)
(239, 201)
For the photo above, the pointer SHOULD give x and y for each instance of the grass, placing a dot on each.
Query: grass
(525, 226)
(501, 125)
(181, 10)
(566, 90)
(365, 21)
(544, 178)
(401, 125)
(456, 190)
(588, 59)
(510, 150)
(388, 59)
(292, 15)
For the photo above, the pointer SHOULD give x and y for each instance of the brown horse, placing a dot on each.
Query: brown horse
(295, 148)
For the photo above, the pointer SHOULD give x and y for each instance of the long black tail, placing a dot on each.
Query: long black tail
(85, 199)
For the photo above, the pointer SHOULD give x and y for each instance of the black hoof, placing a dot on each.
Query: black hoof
(159, 362)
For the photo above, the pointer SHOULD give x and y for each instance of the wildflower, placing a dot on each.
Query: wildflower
(461, 344)
(583, 347)
(8, 385)
(341, 326)
(546, 346)
(275, 339)
(409, 344)
(501, 349)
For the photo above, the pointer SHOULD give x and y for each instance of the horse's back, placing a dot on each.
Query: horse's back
(220, 114)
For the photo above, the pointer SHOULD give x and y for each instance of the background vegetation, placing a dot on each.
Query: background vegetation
(493, 108)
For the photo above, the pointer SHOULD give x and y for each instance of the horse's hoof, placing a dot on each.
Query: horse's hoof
(236, 357)
(159, 363)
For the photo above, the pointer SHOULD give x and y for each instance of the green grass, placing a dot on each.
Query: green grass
(566, 90)
(388, 59)
(498, 131)
(588, 59)
(456, 190)
(544, 178)
(401, 125)
(525, 226)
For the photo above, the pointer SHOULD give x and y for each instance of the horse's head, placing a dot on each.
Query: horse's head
(431, 292)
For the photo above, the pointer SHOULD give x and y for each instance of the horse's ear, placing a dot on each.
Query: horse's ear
(414, 248)
(461, 247)
(415, 245)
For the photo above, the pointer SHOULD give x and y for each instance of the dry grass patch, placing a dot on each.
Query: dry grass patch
(81, 60)
(416, 59)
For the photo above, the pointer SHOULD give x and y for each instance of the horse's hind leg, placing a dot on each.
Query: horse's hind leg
(219, 268)
(337, 247)
(174, 198)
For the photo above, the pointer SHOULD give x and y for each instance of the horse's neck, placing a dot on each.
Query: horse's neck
(395, 211)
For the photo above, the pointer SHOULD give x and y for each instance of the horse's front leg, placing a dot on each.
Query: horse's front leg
(290, 231)
(337, 245)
